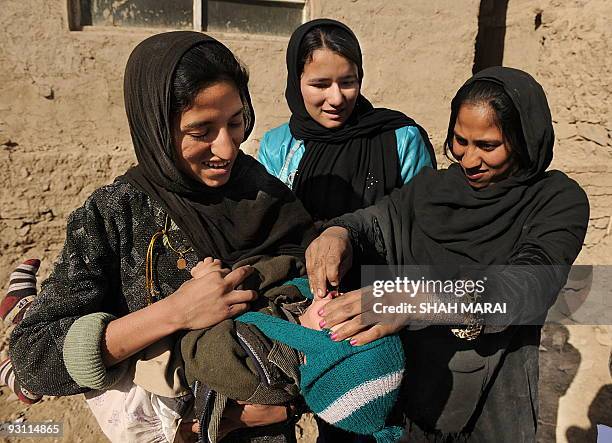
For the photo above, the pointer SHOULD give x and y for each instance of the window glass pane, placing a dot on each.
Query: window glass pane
(177, 14)
(253, 17)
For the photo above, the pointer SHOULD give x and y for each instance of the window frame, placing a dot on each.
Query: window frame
(75, 18)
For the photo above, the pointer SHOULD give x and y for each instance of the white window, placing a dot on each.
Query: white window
(271, 17)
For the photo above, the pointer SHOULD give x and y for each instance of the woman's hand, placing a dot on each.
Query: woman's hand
(328, 258)
(244, 415)
(198, 303)
(354, 313)
(205, 301)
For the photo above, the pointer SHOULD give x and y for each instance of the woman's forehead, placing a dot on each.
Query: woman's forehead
(325, 62)
(476, 115)
(220, 100)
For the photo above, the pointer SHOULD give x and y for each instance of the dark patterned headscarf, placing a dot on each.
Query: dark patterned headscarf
(252, 214)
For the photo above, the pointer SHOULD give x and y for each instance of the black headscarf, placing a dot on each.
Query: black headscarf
(440, 219)
(252, 214)
(347, 168)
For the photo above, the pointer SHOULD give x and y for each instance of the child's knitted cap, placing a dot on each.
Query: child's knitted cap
(351, 387)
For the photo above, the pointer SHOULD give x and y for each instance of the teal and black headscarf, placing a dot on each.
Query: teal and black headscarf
(350, 167)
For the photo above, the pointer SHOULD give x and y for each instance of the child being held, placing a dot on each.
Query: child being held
(350, 387)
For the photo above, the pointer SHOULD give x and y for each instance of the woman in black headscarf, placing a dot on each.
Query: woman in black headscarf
(497, 205)
(337, 152)
(122, 281)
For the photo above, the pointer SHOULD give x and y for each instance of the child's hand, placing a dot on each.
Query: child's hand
(239, 414)
(207, 266)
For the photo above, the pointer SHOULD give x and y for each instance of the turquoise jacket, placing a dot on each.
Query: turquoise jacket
(280, 153)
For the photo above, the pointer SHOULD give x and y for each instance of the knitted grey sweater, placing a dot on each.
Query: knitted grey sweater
(101, 269)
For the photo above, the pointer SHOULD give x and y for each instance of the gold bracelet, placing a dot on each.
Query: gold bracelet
(469, 332)
(473, 329)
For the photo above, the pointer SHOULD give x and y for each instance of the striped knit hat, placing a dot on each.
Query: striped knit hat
(351, 387)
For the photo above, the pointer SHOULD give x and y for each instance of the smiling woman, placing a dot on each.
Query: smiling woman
(209, 133)
(338, 153)
(498, 205)
(330, 85)
(485, 134)
(479, 147)
(122, 281)
(335, 139)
